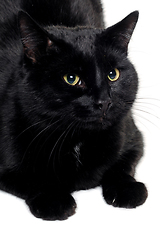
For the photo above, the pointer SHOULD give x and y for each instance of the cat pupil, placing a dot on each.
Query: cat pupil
(112, 74)
(71, 78)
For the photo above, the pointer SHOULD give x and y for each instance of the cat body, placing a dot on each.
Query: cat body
(66, 95)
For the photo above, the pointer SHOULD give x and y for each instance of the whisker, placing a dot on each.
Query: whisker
(151, 114)
(33, 125)
(40, 133)
(34, 140)
(147, 118)
(148, 110)
(52, 132)
(148, 98)
(65, 136)
(137, 116)
(55, 145)
(49, 136)
(77, 127)
(148, 103)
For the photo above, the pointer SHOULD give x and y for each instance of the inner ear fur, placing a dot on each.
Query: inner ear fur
(119, 35)
(34, 38)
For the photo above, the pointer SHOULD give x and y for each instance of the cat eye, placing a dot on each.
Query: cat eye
(71, 79)
(114, 75)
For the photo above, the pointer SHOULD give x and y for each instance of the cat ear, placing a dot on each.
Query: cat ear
(34, 38)
(120, 34)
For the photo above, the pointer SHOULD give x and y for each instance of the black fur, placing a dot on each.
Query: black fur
(56, 138)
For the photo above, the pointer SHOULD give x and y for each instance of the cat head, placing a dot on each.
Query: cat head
(78, 74)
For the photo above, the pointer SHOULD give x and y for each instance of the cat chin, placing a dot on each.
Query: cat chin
(99, 124)
(103, 125)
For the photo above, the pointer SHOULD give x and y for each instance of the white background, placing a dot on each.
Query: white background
(94, 218)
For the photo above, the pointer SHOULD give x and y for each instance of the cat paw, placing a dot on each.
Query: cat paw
(126, 195)
(49, 208)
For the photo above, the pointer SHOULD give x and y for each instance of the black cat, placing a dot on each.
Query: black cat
(66, 95)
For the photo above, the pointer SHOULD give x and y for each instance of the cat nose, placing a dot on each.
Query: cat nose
(103, 105)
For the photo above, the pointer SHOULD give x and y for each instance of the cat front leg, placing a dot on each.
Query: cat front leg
(124, 193)
(120, 188)
(45, 201)
(52, 206)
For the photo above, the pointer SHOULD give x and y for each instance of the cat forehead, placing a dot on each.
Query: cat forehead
(74, 33)
(82, 38)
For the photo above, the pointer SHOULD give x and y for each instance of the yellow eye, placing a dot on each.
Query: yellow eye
(71, 79)
(114, 75)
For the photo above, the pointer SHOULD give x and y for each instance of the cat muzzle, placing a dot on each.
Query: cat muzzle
(103, 106)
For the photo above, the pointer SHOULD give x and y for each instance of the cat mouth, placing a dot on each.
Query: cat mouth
(101, 120)
(104, 121)
(98, 122)
(97, 119)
